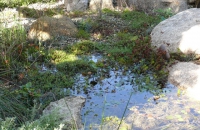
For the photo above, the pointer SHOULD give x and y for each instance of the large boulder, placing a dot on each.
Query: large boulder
(46, 28)
(69, 108)
(95, 4)
(180, 32)
(186, 75)
(76, 5)
(150, 6)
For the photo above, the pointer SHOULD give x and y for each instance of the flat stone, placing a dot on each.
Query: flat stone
(186, 75)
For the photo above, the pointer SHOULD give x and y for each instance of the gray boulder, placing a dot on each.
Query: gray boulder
(76, 5)
(186, 76)
(46, 28)
(179, 32)
(69, 108)
(95, 4)
(150, 6)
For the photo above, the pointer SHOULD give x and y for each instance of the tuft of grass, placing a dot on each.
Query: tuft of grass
(11, 45)
(139, 19)
(111, 12)
(33, 13)
(83, 34)
(11, 106)
(83, 47)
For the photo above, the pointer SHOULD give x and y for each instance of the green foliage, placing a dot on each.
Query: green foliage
(139, 19)
(111, 12)
(59, 56)
(7, 124)
(49, 81)
(87, 25)
(78, 66)
(11, 106)
(164, 14)
(84, 47)
(128, 50)
(83, 34)
(45, 122)
(12, 40)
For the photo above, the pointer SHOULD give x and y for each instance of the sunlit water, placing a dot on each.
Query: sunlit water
(110, 96)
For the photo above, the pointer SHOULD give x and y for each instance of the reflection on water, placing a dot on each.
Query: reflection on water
(109, 96)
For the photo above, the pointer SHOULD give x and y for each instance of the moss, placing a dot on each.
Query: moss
(46, 81)
(84, 47)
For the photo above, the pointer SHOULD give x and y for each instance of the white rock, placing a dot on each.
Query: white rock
(76, 5)
(182, 31)
(95, 4)
(186, 75)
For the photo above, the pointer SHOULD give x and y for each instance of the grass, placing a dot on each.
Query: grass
(34, 13)
(22, 62)
(17, 3)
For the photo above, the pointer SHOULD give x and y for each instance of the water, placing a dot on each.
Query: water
(109, 95)
(108, 92)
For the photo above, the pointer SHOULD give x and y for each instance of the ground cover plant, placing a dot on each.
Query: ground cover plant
(32, 74)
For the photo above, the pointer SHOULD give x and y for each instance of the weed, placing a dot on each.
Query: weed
(12, 41)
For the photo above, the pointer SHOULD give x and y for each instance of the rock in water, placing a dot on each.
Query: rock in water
(186, 76)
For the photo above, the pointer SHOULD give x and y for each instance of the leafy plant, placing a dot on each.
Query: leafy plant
(45, 122)
(164, 13)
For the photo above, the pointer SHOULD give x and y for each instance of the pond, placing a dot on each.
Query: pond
(113, 94)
